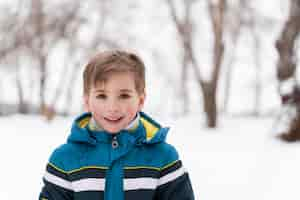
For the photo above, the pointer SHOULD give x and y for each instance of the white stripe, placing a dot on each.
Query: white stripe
(89, 184)
(58, 181)
(98, 184)
(171, 176)
(140, 183)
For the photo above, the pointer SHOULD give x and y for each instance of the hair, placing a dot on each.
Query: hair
(107, 63)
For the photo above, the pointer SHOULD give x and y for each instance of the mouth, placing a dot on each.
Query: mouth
(113, 119)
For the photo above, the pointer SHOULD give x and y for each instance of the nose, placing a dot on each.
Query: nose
(112, 106)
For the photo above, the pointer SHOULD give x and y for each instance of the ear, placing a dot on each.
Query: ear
(86, 103)
(142, 98)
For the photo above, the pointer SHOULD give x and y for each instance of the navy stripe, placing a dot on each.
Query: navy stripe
(171, 168)
(139, 194)
(140, 173)
(91, 195)
(56, 172)
(87, 173)
(178, 189)
(51, 191)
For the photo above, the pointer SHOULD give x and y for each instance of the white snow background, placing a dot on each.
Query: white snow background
(242, 160)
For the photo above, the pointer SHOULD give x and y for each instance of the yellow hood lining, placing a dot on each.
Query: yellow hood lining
(84, 122)
(149, 127)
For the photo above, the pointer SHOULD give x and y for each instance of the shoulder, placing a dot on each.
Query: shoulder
(66, 156)
(167, 153)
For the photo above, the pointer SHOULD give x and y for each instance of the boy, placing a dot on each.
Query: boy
(115, 151)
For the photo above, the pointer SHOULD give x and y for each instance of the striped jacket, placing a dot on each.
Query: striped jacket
(131, 165)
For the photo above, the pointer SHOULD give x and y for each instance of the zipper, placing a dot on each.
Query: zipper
(111, 192)
(114, 143)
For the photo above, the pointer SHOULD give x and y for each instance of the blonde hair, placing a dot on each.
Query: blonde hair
(106, 63)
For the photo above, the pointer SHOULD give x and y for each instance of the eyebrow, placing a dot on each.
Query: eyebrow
(126, 90)
(99, 90)
(122, 90)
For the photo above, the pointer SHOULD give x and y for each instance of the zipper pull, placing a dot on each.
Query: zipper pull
(114, 142)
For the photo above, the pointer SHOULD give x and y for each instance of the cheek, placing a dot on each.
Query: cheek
(132, 108)
(95, 107)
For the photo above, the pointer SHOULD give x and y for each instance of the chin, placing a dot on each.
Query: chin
(113, 131)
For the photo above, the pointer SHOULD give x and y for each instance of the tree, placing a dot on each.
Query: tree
(185, 29)
(36, 30)
(286, 67)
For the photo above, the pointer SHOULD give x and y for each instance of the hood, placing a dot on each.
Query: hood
(147, 132)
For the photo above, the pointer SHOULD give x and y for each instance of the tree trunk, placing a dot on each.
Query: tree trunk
(184, 28)
(217, 18)
(42, 81)
(22, 107)
(286, 67)
(210, 105)
(285, 44)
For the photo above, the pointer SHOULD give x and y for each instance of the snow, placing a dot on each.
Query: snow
(242, 159)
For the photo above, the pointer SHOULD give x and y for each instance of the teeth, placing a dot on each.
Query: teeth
(113, 119)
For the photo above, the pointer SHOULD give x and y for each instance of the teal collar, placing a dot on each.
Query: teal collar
(148, 131)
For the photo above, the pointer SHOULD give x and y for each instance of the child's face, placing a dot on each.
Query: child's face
(115, 102)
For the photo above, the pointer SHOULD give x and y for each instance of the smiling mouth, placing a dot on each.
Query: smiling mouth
(113, 120)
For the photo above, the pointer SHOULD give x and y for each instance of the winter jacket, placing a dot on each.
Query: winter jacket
(131, 165)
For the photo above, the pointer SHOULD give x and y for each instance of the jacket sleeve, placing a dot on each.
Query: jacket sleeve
(57, 185)
(174, 183)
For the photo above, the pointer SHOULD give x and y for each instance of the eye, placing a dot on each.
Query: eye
(124, 96)
(101, 96)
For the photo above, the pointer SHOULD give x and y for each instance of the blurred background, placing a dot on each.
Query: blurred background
(214, 68)
(201, 56)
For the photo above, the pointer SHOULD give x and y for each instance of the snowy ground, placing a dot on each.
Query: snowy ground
(240, 160)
